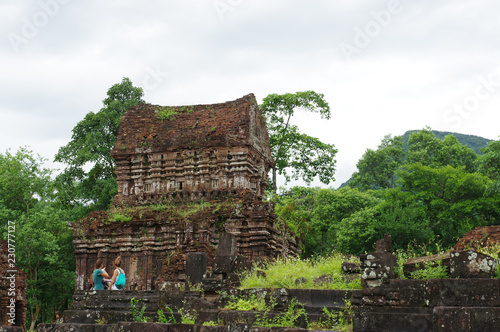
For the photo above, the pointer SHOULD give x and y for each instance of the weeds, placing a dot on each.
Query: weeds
(188, 286)
(163, 319)
(253, 302)
(101, 321)
(187, 317)
(428, 270)
(120, 217)
(289, 318)
(165, 114)
(338, 321)
(431, 270)
(137, 314)
(169, 113)
(212, 323)
(284, 273)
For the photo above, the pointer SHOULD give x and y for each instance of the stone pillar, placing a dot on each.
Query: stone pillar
(378, 267)
(196, 266)
(471, 264)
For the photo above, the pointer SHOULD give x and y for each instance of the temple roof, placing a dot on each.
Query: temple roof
(173, 128)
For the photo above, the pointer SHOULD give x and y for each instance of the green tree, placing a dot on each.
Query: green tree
(489, 162)
(377, 168)
(333, 206)
(45, 250)
(90, 148)
(315, 214)
(424, 147)
(297, 155)
(295, 207)
(454, 199)
(406, 223)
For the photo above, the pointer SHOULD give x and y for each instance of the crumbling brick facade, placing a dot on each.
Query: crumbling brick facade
(167, 152)
(185, 175)
(479, 237)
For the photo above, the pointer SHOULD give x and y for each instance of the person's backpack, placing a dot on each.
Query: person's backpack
(120, 280)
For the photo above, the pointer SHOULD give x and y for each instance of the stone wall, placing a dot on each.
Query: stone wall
(469, 301)
(430, 305)
(12, 288)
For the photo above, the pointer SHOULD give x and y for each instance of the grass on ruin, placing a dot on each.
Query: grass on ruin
(435, 270)
(169, 113)
(300, 273)
(430, 270)
(169, 211)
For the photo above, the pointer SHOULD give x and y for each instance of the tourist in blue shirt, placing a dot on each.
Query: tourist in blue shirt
(98, 275)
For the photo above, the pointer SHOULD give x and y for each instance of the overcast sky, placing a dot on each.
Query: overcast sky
(385, 67)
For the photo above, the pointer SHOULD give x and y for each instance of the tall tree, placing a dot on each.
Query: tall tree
(377, 168)
(297, 155)
(489, 162)
(315, 214)
(424, 147)
(90, 148)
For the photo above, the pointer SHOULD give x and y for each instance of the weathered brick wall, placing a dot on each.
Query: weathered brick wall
(197, 150)
(8, 286)
(154, 243)
(480, 236)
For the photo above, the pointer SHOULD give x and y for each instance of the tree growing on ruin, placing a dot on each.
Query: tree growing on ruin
(88, 179)
(297, 155)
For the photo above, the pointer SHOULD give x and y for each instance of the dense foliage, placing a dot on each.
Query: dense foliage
(434, 191)
(44, 247)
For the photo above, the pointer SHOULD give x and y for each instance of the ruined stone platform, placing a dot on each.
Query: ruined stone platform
(468, 301)
(110, 310)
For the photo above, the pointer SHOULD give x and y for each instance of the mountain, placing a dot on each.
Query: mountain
(476, 143)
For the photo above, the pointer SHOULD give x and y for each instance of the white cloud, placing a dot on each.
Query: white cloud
(425, 60)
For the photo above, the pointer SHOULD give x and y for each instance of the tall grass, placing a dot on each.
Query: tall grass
(299, 273)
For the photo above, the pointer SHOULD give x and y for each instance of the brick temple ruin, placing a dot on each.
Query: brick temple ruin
(185, 176)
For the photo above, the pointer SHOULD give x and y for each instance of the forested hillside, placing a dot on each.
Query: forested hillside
(432, 192)
(476, 143)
